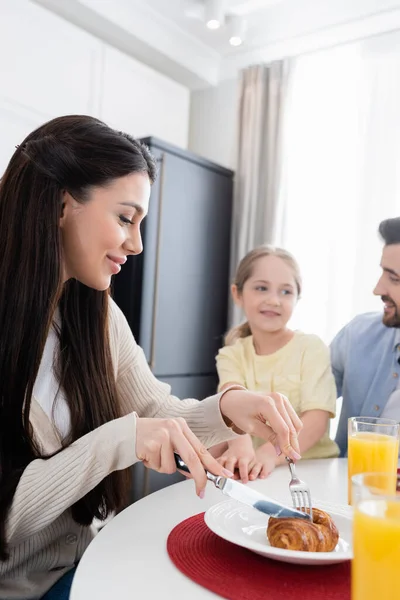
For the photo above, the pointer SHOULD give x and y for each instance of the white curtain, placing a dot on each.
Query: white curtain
(263, 94)
(341, 176)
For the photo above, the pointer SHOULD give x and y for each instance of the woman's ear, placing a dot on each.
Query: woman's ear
(66, 205)
(236, 295)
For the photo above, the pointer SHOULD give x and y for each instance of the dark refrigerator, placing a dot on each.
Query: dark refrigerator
(175, 294)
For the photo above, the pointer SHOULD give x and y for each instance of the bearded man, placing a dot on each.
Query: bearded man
(365, 354)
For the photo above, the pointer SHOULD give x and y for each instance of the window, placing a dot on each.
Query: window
(341, 176)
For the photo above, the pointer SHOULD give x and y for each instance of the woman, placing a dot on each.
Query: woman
(265, 355)
(78, 404)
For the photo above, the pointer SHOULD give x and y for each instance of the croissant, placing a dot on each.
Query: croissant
(295, 534)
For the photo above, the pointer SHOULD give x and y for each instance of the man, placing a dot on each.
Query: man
(365, 354)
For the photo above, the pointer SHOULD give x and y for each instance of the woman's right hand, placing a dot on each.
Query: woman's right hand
(158, 439)
(268, 416)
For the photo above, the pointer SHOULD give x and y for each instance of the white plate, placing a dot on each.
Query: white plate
(247, 527)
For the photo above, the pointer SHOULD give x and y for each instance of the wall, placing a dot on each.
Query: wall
(49, 67)
(213, 123)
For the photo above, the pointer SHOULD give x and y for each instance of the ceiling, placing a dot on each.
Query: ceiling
(161, 35)
(257, 13)
(269, 21)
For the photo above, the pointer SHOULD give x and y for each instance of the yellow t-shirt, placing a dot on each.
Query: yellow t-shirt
(301, 370)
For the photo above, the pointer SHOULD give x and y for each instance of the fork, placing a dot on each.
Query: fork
(300, 492)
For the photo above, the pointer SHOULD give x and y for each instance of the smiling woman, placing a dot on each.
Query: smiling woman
(100, 234)
(78, 403)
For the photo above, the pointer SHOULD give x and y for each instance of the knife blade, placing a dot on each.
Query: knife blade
(246, 495)
(242, 493)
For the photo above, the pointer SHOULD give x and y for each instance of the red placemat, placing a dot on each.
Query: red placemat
(238, 574)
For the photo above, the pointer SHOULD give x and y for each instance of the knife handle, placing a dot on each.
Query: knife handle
(217, 480)
(180, 464)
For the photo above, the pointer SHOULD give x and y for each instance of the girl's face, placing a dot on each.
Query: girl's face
(269, 295)
(99, 234)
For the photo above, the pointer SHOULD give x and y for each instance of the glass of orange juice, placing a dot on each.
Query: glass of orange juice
(376, 537)
(365, 485)
(373, 446)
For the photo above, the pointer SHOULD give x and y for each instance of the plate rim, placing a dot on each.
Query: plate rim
(281, 552)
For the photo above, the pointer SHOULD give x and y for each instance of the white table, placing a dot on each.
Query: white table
(128, 560)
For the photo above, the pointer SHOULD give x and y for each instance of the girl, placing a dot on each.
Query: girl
(78, 403)
(266, 356)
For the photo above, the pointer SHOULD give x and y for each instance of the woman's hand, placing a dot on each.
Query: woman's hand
(270, 417)
(239, 457)
(158, 439)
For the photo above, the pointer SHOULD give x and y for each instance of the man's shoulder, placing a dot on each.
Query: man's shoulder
(367, 326)
(366, 321)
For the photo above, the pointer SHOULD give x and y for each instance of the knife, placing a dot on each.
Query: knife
(242, 493)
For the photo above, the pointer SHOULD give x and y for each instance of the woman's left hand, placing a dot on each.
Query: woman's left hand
(268, 416)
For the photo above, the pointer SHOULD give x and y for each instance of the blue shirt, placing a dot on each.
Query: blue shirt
(364, 362)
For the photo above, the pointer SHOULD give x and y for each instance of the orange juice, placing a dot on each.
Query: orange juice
(372, 452)
(376, 544)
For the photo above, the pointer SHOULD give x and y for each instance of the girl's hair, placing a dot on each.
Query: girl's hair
(245, 271)
(74, 154)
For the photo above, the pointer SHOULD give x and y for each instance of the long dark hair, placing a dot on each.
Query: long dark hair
(74, 154)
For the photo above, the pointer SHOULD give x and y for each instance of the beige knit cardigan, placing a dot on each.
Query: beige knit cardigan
(44, 540)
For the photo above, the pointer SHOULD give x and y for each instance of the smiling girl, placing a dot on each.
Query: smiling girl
(265, 355)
